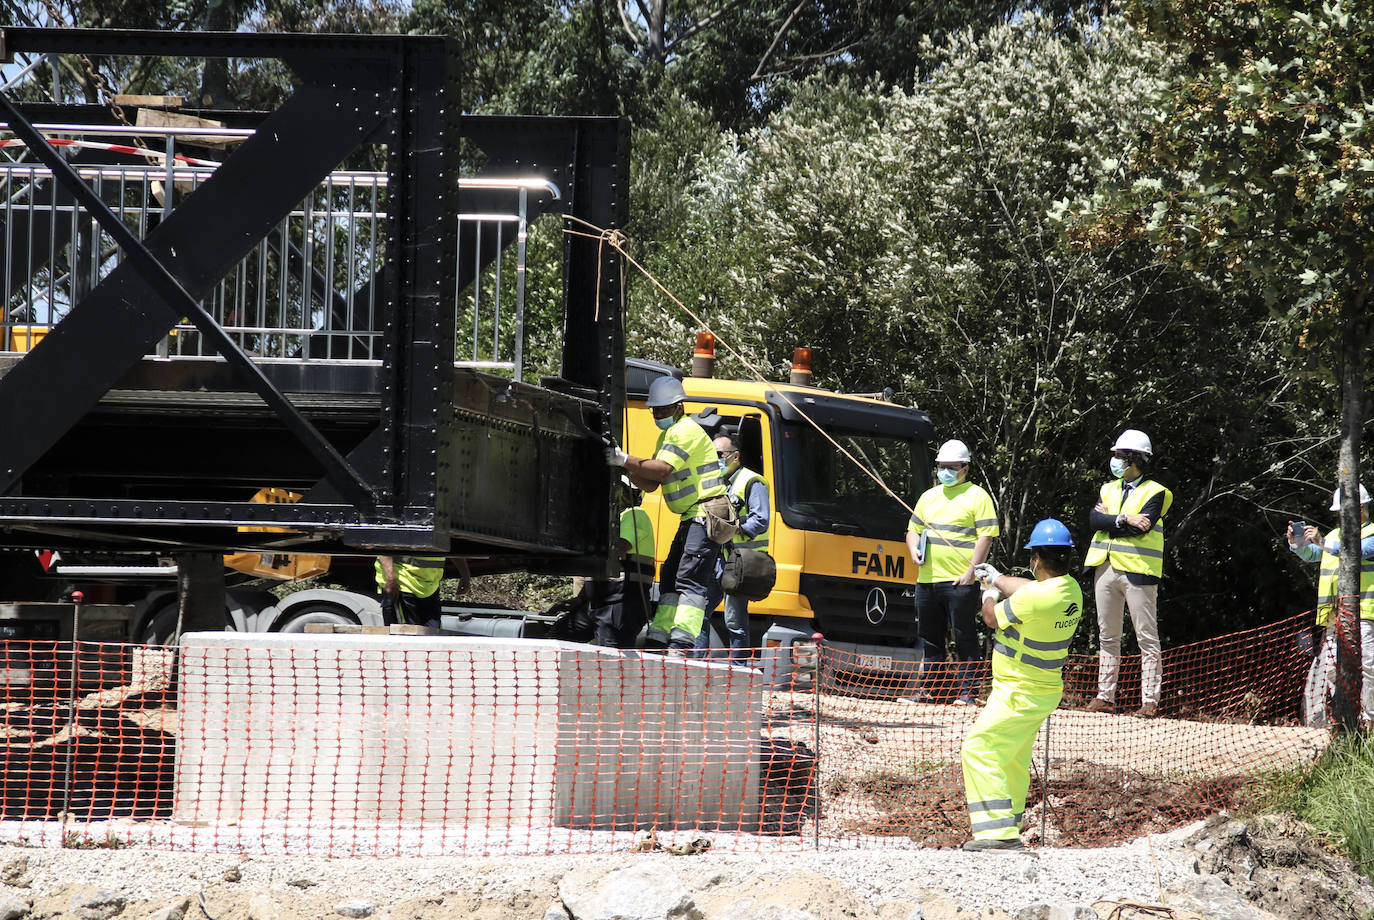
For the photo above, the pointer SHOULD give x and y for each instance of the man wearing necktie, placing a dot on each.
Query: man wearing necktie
(1128, 553)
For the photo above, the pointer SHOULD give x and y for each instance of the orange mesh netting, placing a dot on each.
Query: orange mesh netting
(352, 745)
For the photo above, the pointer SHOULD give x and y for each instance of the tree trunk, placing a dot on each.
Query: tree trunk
(1345, 705)
(214, 77)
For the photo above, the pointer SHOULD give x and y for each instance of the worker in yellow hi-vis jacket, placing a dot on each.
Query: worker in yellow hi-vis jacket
(1033, 626)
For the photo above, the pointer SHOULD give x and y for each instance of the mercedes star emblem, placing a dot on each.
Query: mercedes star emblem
(875, 608)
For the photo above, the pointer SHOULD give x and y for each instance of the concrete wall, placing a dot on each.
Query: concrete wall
(463, 731)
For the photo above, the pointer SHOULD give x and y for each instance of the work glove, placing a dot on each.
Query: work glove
(986, 572)
(614, 455)
(993, 594)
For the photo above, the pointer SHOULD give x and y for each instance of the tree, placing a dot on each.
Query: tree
(907, 236)
(1259, 174)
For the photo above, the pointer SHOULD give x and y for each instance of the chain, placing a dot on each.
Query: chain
(93, 76)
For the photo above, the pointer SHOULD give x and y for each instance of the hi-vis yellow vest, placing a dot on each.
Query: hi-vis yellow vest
(415, 575)
(739, 491)
(696, 472)
(637, 530)
(1035, 628)
(1143, 555)
(1328, 589)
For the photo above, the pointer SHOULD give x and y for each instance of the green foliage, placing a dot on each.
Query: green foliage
(907, 237)
(1334, 797)
(1261, 168)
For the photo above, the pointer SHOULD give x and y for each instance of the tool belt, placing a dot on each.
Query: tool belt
(720, 519)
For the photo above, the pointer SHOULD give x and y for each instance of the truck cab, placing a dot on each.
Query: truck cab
(837, 536)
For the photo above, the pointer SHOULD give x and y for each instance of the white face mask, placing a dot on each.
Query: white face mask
(947, 477)
(1118, 467)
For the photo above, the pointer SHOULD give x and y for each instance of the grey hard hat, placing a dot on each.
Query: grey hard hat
(665, 391)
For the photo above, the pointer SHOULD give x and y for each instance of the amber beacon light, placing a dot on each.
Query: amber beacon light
(801, 367)
(704, 358)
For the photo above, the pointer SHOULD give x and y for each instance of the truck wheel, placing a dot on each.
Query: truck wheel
(306, 614)
(162, 626)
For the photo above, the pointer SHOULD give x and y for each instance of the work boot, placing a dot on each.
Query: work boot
(1148, 710)
(979, 843)
(1099, 705)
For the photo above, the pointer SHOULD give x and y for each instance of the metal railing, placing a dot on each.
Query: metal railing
(303, 294)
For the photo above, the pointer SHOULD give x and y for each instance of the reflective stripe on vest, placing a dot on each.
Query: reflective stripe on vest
(1142, 555)
(739, 492)
(1328, 583)
(699, 478)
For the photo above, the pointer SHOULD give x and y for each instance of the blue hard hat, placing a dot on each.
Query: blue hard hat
(1049, 532)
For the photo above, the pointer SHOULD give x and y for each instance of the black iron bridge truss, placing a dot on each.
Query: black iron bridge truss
(114, 442)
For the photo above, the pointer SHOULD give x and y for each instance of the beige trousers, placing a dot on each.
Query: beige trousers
(1114, 593)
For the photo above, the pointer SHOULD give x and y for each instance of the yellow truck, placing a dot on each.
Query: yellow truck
(838, 538)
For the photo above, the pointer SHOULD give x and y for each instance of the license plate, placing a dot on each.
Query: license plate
(876, 662)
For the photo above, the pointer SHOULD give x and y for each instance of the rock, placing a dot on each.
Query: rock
(556, 911)
(1072, 912)
(749, 909)
(174, 911)
(301, 883)
(641, 892)
(233, 874)
(1208, 896)
(1026, 867)
(355, 907)
(263, 906)
(12, 872)
(1034, 912)
(100, 905)
(13, 908)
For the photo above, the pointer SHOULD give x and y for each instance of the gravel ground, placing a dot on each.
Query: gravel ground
(839, 884)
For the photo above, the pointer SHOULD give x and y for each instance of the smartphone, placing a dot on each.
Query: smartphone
(1297, 529)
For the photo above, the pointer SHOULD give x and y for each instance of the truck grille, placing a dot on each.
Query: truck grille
(841, 606)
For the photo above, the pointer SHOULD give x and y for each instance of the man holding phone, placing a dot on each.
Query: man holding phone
(1306, 543)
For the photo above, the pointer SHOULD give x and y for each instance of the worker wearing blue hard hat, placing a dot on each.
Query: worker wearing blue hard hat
(1033, 622)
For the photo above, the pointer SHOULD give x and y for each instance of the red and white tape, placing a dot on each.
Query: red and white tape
(115, 148)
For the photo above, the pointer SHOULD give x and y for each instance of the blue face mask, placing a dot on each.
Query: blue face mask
(1118, 467)
(724, 467)
(664, 423)
(947, 477)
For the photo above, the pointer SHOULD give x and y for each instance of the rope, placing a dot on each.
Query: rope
(618, 241)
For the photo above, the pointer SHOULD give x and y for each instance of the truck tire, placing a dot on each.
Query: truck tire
(162, 626)
(316, 612)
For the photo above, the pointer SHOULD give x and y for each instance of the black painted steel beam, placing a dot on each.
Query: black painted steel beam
(177, 303)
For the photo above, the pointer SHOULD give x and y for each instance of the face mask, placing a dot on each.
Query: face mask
(1118, 467)
(664, 423)
(724, 467)
(947, 477)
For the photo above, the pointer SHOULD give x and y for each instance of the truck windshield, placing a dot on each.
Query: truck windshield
(823, 490)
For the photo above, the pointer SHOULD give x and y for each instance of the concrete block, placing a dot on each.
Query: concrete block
(360, 728)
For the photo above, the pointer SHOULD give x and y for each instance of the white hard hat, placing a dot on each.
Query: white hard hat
(953, 452)
(1336, 498)
(1131, 439)
(665, 391)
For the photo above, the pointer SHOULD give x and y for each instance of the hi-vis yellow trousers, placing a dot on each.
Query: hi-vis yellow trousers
(997, 756)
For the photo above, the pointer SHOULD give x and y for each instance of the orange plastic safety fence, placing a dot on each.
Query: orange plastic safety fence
(382, 745)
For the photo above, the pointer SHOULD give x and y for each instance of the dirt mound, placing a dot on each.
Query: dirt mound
(1282, 866)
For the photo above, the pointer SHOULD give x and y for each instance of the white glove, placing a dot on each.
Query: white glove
(615, 456)
(992, 594)
(986, 572)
